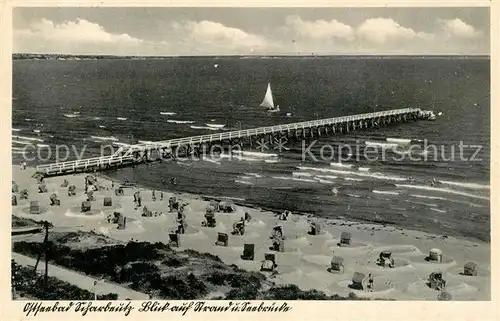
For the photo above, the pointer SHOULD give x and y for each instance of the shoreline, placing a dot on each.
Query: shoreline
(348, 221)
(309, 272)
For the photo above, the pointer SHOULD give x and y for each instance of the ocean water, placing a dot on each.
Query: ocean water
(88, 104)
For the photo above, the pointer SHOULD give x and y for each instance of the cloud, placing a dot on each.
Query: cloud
(216, 35)
(71, 36)
(320, 29)
(382, 30)
(458, 28)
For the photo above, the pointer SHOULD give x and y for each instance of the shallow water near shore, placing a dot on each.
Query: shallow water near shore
(91, 103)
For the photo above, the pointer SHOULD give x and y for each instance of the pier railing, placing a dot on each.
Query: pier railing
(124, 155)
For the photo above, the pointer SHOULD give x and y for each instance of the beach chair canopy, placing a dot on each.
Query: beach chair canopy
(385, 254)
(270, 256)
(345, 235)
(435, 252)
(337, 260)
(222, 237)
(470, 265)
(358, 277)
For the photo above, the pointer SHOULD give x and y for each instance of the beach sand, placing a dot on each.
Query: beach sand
(305, 259)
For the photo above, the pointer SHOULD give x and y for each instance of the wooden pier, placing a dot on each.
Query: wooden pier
(141, 153)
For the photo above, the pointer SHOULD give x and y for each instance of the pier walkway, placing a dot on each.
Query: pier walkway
(137, 154)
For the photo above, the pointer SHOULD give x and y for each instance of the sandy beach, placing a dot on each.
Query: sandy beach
(306, 258)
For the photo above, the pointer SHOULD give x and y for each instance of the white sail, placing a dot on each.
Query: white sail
(268, 98)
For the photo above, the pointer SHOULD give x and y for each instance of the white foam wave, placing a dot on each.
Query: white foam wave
(102, 126)
(294, 179)
(341, 165)
(327, 176)
(466, 185)
(71, 115)
(361, 174)
(16, 129)
(28, 119)
(271, 161)
(211, 161)
(168, 113)
(254, 154)
(442, 190)
(121, 118)
(400, 141)
(204, 127)
(437, 210)
(96, 118)
(27, 138)
(122, 144)
(18, 152)
(180, 121)
(323, 181)
(36, 131)
(17, 148)
(380, 144)
(364, 169)
(353, 179)
(243, 182)
(248, 159)
(112, 138)
(216, 125)
(42, 145)
(299, 174)
(385, 192)
(353, 195)
(254, 175)
(21, 142)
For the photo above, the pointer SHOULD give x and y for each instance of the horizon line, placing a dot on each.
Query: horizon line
(255, 55)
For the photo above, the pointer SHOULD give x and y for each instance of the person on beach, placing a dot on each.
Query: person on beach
(161, 195)
(153, 196)
(370, 282)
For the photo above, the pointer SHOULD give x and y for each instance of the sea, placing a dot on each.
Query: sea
(427, 175)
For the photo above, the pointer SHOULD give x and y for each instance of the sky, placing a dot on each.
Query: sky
(252, 31)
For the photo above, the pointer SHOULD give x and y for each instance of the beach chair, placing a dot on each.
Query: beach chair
(435, 255)
(146, 212)
(222, 239)
(86, 206)
(35, 207)
(269, 263)
(336, 265)
(238, 228)
(90, 180)
(315, 228)
(122, 222)
(345, 239)
(444, 296)
(215, 205)
(71, 190)
(278, 245)
(116, 217)
(436, 281)
(65, 183)
(23, 194)
(119, 191)
(470, 268)
(173, 204)
(42, 188)
(90, 196)
(15, 187)
(14, 200)
(226, 207)
(357, 281)
(248, 252)
(248, 217)
(108, 201)
(174, 240)
(210, 220)
(385, 259)
(277, 232)
(54, 200)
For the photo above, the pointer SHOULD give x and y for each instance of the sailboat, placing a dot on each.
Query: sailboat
(268, 101)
